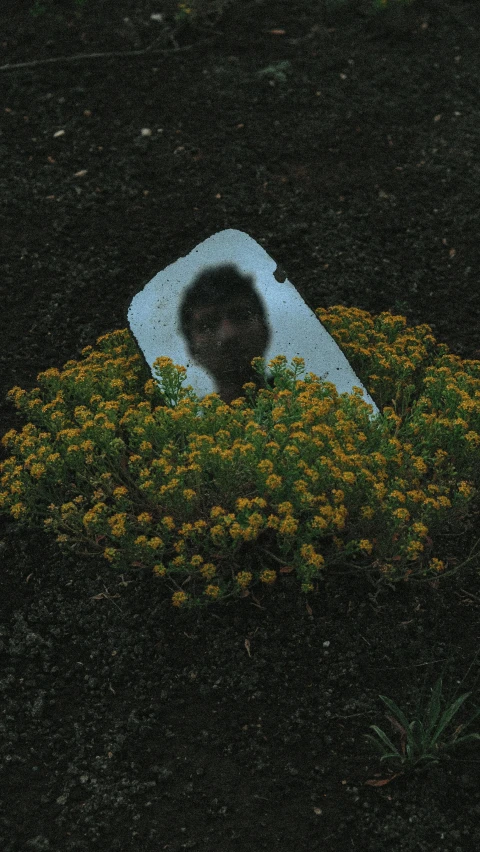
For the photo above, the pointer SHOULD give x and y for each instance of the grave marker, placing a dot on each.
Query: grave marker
(183, 313)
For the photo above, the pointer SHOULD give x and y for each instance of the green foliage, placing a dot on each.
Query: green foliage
(279, 71)
(294, 479)
(421, 739)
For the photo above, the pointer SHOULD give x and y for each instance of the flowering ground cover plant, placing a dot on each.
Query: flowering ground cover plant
(216, 498)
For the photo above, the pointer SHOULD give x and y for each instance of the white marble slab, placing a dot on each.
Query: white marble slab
(153, 314)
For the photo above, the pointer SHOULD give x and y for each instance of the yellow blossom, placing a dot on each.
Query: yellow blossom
(120, 491)
(265, 466)
(268, 576)
(291, 450)
(236, 531)
(465, 489)
(241, 504)
(216, 512)
(67, 508)
(444, 502)
(416, 496)
(288, 526)
(473, 438)
(419, 464)
(208, 570)
(339, 517)
(92, 515)
(212, 591)
(217, 533)
(109, 553)
(149, 387)
(310, 557)
(401, 514)
(414, 549)
(37, 470)
(273, 482)
(17, 510)
(318, 523)
(53, 457)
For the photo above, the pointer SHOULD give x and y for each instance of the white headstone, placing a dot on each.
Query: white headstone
(295, 331)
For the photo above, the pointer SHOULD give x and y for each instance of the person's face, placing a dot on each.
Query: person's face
(225, 338)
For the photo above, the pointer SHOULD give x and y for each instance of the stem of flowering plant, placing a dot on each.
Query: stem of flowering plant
(457, 568)
(272, 555)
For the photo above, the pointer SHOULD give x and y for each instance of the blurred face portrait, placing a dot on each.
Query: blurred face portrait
(225, 326)
(225, 338)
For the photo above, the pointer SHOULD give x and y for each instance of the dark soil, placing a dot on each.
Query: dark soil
(127, 724)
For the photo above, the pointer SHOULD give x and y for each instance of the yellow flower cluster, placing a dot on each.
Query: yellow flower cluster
(386, 355)
(205, 492)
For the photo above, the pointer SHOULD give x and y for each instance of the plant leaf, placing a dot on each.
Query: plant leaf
(434, 706)
(464, 739)
(448, 715)
(396, 710)
(418, 736)
(383, 737)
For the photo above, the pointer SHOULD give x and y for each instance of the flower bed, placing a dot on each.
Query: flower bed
(295, 479)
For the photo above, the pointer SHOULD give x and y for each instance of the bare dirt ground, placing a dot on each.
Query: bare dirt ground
(347, 145)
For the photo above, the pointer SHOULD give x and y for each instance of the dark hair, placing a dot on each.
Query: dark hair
(217, 285)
